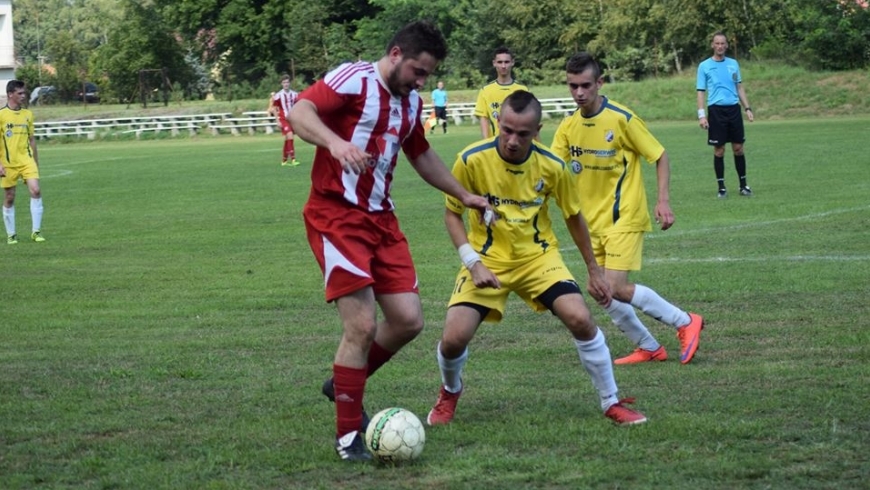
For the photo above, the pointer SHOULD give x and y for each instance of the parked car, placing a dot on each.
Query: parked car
(90, 95)
(42, 95)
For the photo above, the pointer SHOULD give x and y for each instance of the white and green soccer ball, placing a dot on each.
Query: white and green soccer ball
(395, 435)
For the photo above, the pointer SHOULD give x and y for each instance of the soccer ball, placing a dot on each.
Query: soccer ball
(395, 435)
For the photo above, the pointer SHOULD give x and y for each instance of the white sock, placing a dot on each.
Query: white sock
(9, 220)
(36, 212)
(595, 357)
(626, 319)
(649, 302)
(451, 370)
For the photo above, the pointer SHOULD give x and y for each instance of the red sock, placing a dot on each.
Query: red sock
(378, 356)
(350, 384)
(287, 146)
(291, 150)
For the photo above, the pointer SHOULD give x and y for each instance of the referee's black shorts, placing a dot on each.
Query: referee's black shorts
(725, 125)
(441, 112)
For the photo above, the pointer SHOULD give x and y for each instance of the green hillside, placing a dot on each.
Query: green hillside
(775, 91)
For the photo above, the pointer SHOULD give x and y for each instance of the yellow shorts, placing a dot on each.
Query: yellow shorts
(529, 281)
(29, 171)
(619, 251)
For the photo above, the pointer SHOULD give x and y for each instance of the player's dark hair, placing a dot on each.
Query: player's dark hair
(502, 50)
(285, 77)
(14, 85)
(581, 62)
(521, 100)
(420, 37)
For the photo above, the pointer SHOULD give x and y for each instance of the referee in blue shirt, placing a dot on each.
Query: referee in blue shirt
(720, 83)
(439, 101)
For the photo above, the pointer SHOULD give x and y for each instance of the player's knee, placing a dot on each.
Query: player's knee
(453, 343)
(622, 292)
(414, 328)
(408, 327)
(581, 325)
(358, 333)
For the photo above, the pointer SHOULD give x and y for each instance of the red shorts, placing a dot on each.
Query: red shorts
(356, 249)
(286, 128)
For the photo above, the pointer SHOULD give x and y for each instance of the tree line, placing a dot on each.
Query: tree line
(239, 48)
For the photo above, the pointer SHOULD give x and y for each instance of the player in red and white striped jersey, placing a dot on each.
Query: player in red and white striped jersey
(360, 116)
(281, 103)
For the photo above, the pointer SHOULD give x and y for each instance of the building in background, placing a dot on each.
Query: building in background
(7, 48)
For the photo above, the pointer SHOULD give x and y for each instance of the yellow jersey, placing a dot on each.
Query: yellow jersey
(604, 151)
(519, 193)
(489, 101)
(17, 129)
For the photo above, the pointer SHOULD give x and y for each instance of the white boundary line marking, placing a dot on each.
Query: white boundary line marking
(740, 226)
(779, 258)
(784, 258)
(83, 162)
(59, 173)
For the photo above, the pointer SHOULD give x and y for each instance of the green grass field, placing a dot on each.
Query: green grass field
(171, 333)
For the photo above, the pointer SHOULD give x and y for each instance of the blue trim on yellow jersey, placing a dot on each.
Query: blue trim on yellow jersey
(496, 82)
(488, 243)
(544, 244)
(482, 147)
(617, 198)
(548, 154)
(494, 144)
(608, 105)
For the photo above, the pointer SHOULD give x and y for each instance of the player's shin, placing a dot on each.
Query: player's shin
(625, 318)
(595, 357)
(451, 370)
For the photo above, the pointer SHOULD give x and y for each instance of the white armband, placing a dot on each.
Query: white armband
(701, 113)
(468, 256)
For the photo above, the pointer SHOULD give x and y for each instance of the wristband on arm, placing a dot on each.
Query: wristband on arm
(701, 114)
(468, 256)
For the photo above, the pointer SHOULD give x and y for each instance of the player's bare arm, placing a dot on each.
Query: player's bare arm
(308, 125)
(663, 214)
(480, 274)
(597, 285)
(432, 170)
(702, 114)
(484, 127)
(33, 149)
(741, 94)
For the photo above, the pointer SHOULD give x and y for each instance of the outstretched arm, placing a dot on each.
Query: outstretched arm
(432, 170)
